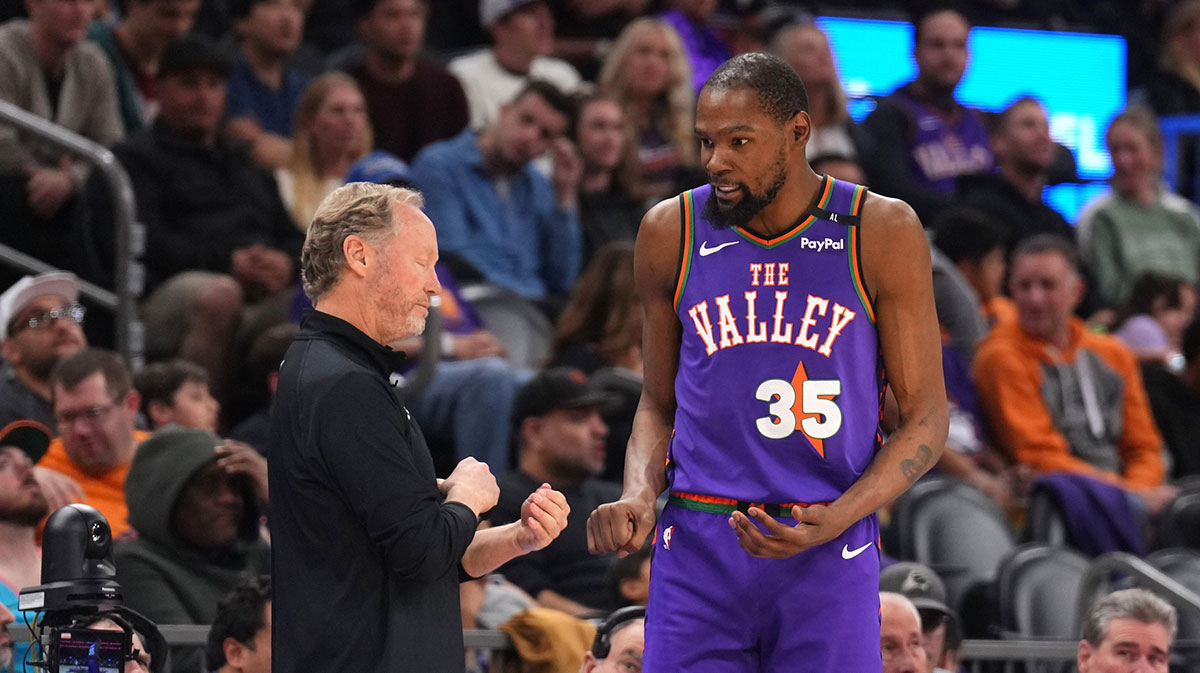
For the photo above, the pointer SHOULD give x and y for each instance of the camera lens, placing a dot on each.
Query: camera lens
(99, 532)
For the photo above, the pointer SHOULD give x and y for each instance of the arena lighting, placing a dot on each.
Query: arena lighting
(1079, 77)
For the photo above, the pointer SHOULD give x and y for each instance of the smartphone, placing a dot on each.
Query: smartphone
(89, 651)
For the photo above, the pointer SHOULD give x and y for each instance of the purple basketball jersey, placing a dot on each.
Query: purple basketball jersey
(780, 383)
(942, 148)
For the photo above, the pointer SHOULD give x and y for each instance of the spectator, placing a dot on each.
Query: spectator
(648, 75)
(522, 39)
(262, 366)
(939, 624)
(48, 69)
(412, 100)
(240, 638)
(134, 47)
(560, 442)
(975, 243)
(217, 234)
(608, 208)
(495, 211)
(196, 519)
(1175, 399)
(1024, 153)
(900, 635)
(1140, 225)
(1131, 629)
(95, 407)
(1175, 88)
(920, 138)
(332, 132)
(601, 325)
(806, 48)
(40, 324)
(620, 639)
(22, 507)
(600, 333)
(262, 89)
(692, 20)
(177, 392)
(629, 578)
(1061, 398)
(1151, 325)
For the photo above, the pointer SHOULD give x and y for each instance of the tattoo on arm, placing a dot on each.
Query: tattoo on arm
(914, 467)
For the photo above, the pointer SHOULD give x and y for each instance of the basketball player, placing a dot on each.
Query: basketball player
(775, 300)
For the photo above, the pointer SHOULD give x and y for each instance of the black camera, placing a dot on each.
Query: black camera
(81, 625)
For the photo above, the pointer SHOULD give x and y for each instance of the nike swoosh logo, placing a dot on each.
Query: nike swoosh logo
(705, 251)
(848, 554)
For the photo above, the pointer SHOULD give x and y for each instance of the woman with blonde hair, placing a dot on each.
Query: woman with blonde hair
(648, 75)
(332, 132)
(806, 48)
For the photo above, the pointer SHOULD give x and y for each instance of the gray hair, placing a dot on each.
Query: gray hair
(363, 209)
(1137, 604)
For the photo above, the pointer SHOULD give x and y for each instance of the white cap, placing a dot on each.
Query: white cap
(16, 298)
(491, 11)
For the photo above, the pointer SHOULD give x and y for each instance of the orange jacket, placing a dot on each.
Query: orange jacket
(1020, 379)
(105, 492)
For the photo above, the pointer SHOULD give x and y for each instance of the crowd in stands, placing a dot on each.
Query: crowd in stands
(539, 133)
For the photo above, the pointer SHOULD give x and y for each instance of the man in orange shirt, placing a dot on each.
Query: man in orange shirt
(1060, 398)
(95, 405)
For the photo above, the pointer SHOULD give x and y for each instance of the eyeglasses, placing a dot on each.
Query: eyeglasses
(92, 415)
(72, 312)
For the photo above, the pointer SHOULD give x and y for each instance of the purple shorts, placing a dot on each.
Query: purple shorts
(714, 608)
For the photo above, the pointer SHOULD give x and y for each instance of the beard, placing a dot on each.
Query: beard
(739, 214)
(28, 514)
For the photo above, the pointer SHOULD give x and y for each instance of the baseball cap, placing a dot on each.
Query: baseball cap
(491, 11)
(16, 298)
(30, 436)
(380, 167)
(559, 388)
(918, 583)
(191, 52)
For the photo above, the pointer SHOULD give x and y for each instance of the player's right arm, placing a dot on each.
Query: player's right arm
(623, 525)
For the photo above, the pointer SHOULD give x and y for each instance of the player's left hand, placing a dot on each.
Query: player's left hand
(543, 517)
(817, 525)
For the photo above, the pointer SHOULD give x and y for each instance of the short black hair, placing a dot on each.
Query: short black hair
(553, 96)
(781, 92)
(1039, 244)
(159, 381)
(936, 8)
(1149, 287)
(1002, 118)
(966, 234)
(628, 567)
(240, 615)
(73, 369)
(362, 8)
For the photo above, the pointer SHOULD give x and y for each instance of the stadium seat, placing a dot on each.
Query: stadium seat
(1038, 589)
(1179, 524)
(517, 323)
(1183, 566)
(954, 529)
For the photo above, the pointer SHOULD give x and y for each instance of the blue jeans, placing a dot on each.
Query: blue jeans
(469, 403)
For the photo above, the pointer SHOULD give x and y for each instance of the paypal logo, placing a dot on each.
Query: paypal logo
(822, 244)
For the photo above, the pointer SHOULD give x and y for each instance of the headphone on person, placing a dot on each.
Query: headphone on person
(602, 644)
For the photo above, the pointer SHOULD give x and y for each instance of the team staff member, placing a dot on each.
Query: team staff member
(766, 343)
(368, 545)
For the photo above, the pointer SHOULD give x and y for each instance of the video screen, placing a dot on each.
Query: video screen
(1078, 77)
(91, 651)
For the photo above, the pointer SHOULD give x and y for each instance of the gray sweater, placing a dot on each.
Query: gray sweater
(87, 103)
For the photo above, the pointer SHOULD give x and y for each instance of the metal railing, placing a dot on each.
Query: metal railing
(130, 238)
(1099, 575)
